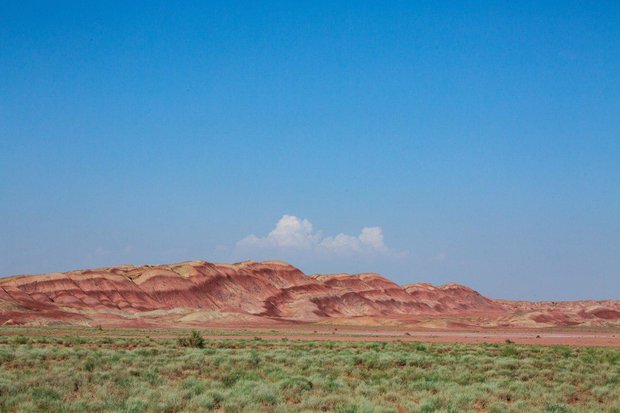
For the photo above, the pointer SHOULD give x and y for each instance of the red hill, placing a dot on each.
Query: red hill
(199, 293)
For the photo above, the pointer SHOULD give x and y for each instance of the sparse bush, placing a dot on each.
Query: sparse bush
(89, 365)
(194, 340)
(509, 351)
(556, 408)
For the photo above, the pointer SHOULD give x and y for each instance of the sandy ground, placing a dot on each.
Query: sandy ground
(557, 336)
(567, 336)
(571, 339)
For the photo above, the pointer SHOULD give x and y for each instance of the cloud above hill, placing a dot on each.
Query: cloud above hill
(296, 234)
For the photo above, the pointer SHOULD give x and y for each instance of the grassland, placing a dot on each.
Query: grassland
(133, 372)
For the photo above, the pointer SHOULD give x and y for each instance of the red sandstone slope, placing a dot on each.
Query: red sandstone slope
(198, 292)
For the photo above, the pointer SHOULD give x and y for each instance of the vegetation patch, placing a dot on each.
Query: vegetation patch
(134, 373)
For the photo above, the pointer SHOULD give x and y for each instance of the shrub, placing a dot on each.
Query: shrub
(296, 384)
(194, 340)
(556, 408)
(21, 340)
(89, 365)
(509, 351)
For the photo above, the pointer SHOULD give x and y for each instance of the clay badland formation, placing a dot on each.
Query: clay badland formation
(250, 293)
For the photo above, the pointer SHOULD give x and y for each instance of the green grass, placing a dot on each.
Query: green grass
(125, 374)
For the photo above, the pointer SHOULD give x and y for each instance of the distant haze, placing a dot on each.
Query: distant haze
(477, 142)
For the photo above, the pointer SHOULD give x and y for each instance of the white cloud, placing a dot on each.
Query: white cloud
(372, 236)
(293, 233)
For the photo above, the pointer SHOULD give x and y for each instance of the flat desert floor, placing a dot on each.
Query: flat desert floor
(307, 368)
(589, 337)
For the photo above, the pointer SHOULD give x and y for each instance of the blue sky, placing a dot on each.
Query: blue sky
(475, 142)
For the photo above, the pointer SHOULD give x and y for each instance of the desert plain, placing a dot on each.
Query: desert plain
(263, 336)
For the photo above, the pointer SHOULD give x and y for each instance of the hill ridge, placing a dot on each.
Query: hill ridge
(198, 291)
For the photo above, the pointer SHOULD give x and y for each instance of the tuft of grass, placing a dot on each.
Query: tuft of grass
(21, 340)
(509, 351)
